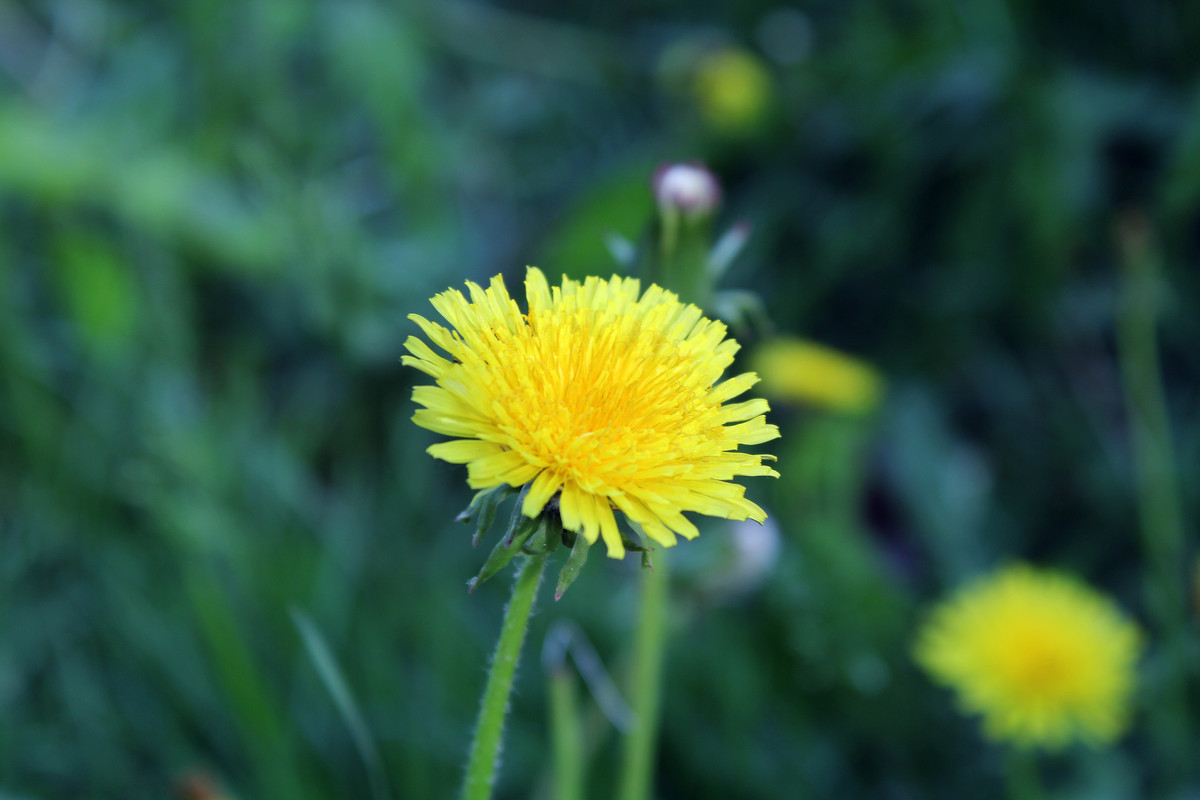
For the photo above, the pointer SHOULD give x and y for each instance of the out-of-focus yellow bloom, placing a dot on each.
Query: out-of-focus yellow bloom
(601, 396)
(798, 370)
(1043, 658)
(733, 90)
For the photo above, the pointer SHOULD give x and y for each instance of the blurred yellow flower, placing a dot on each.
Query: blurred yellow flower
(602, 395)
(1044, 659)
(802, 371)
(733, 90)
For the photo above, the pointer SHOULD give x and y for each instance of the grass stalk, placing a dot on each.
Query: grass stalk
(267, 740)
(1160, 507)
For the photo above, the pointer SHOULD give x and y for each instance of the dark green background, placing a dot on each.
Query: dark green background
(215, 217)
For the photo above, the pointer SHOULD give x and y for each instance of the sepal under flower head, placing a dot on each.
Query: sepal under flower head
(601, 398)
(538, 535)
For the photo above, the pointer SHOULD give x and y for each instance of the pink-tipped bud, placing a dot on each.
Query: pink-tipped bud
(688, 189)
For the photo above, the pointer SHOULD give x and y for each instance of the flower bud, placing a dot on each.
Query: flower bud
(687, 189)
(753, 552)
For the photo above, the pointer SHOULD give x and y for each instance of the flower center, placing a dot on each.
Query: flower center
(597, 400)
(1037, 665)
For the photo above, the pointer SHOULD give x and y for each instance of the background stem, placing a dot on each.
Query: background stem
(1021, 775)
(566, 733)
(1159, 505)
(485, 746)
(637, 773)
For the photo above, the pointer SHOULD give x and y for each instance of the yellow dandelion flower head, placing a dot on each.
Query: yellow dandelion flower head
(733, 90)
(802, 371)
(1044, 659)
(602, 395)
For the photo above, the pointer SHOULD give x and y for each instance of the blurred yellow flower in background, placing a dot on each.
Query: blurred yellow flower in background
(733, 90)
(602, 395)
(798, 370)
(1043, 658)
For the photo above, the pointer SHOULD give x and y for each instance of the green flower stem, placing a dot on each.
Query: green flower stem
(637, 773)
(485, 747)
(566, 735)
(1021, 775)
(1159, 504)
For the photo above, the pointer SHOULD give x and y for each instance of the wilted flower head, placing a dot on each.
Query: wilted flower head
(689, 189)
(1044, 659)
(601, 396)
(798, 370)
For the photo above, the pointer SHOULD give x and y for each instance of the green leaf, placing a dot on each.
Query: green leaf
(343, 700)
(98, 288)
(619, 204)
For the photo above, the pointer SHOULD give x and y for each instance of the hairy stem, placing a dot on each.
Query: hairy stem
(485, 746)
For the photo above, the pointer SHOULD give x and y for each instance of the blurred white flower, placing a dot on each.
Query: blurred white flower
(752, 553)
(689, 189)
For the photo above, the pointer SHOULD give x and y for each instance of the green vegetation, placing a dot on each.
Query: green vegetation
(224, 551)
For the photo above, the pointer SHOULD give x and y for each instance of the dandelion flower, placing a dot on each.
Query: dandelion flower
(601, 395)
(733, 90)
(799, 370)
(1044, 659)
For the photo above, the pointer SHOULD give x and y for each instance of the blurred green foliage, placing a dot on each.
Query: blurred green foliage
(222, 548)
